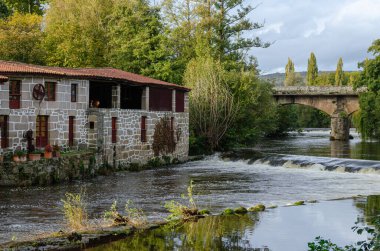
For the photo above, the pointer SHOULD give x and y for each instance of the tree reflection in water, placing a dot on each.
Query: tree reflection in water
(210, 233)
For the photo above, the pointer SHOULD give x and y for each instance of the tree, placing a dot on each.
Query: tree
(4, 11)
(289, 69)
(26, 6)
(339, 74)
(21, 37)
(137, 40)
(312, 70)
(76, 32)
(212, 105)
(368, 119)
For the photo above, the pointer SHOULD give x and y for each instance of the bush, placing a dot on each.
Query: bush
(75, 210)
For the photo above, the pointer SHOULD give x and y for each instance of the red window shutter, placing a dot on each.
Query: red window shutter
(160, 99)
(50, 91)
(14, 94)
(143, 129)
(71, 130)
(114, 129)
(179, 101)
(4, 131)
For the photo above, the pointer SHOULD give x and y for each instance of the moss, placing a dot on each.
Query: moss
(257, 208)
(154, 163)
(299, 203)
(240, 210)
(204, 211)
(134, 167)
(228, 211)
(166, 159)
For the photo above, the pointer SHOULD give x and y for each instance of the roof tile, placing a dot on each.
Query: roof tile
(10, 67)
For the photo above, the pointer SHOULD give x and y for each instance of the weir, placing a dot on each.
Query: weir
(339, 102)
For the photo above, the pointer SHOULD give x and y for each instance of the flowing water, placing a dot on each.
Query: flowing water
(300, 167)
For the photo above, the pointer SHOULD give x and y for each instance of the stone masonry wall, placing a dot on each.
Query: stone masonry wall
(23, 119)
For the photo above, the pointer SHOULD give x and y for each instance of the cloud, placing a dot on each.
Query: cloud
(330, 29)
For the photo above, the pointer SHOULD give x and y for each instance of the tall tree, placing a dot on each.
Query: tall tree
(339, 74)
(76, 32)
(368, 119)
(289, 72)
(312, 70)
(21, 37)
(137, 40)
(212, 105)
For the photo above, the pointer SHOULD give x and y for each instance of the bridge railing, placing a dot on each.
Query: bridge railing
(318, 90)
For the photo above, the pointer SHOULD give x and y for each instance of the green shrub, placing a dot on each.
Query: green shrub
(135, 216)
(228, 211)
(240, 210)
(257, 208)
(75, 210)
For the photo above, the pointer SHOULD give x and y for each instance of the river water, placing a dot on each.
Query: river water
(300, 167)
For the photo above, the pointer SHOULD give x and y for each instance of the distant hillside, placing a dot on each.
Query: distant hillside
(279, 78)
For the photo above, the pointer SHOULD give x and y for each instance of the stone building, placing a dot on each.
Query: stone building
(110, 110)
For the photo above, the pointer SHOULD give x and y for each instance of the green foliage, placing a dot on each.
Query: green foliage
(25, 6)
(291, 78)
(135, 215)
(112, 213)
(181, 211)
(228, 211)
(21, 37)
(4, 10)
(339, 74)
(76, 32)
(257, 208)
(312, 70)
(240, 210)
(368, 119)
(75, 210)
(212, 104)
(154, 162)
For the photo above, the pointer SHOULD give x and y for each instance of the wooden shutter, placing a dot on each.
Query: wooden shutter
(114, 129)
(179, 101)
(4, 131)
(14, 94)
(71, 130)
(50, 91)
(143, 129)
(42, 131)
(160, 99)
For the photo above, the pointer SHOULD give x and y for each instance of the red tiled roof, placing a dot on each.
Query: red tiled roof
(13, 68)
(3, 79)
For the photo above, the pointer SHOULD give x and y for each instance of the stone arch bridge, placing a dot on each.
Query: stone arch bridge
(338, 102)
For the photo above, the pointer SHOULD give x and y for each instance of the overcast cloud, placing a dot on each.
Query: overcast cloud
(329, 28)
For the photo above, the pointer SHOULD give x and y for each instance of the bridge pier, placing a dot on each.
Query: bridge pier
(340, 127)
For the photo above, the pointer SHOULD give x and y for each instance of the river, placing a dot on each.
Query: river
(300, 167)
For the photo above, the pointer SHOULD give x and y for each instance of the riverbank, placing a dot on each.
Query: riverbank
(274, 229)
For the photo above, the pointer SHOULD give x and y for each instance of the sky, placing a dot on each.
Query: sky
(329, 28)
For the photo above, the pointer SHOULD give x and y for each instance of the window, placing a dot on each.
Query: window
(50, 91)
(74, 91)
(71, 130)
(42, 131)
(179, 101)
(114, 129)
(4, 131)
(143, 129)
(160, 99)
(14, 94)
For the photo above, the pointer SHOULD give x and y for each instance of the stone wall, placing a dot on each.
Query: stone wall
(23, 119)
(128, 147)
(49, 171)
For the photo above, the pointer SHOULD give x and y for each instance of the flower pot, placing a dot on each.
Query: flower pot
(23, 158)
(16, 158)
(34, 156)
(48, 155)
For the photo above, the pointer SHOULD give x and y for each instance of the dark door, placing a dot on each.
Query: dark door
(14, 94)
(42, 131)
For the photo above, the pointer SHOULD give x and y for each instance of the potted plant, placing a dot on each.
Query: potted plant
(48, 152)
(56, 151)
(19, 155)
(33, 154)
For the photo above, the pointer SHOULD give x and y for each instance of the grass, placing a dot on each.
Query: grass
(75, 210)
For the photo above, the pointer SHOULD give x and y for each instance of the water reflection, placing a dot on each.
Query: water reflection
(210, 233)
(370, 207)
